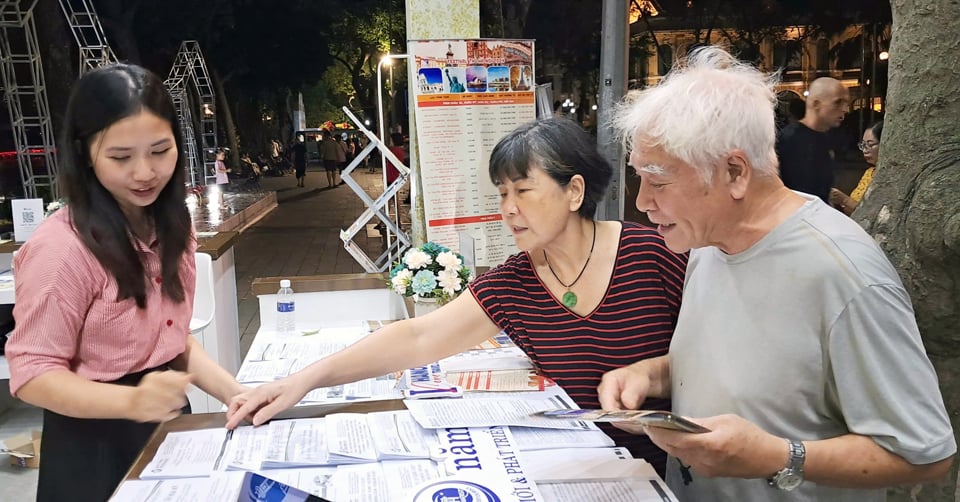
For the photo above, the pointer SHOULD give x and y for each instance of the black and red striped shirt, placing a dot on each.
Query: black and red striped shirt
(634, 320)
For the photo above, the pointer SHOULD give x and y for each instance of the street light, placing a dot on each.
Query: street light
(387, 60)
(884, 55)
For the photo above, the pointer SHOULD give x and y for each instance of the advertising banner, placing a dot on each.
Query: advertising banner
(469, 94)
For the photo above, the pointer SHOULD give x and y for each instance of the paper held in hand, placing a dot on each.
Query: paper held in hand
(649, 418)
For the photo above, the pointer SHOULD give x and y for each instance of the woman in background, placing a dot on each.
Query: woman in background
(870, 146)
(105, 290)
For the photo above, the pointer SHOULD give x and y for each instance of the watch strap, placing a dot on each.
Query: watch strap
(790, 476)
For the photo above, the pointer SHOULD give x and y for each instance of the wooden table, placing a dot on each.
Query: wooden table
(214, 420)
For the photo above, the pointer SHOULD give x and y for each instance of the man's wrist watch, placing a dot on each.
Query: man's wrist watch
(791, 476)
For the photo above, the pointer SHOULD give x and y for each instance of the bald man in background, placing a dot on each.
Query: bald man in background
(804, 149)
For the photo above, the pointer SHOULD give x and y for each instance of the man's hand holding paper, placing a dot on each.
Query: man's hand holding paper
(735, 447)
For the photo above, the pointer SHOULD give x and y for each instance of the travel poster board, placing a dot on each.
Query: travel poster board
(469, 94)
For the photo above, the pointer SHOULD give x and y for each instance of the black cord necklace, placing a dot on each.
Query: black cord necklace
(569, 298)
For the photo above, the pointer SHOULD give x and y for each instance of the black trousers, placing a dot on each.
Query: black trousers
(84, 460)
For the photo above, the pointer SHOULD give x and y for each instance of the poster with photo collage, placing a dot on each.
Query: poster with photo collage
(469, 94)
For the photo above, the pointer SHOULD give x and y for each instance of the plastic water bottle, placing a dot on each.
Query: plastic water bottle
(286, 309)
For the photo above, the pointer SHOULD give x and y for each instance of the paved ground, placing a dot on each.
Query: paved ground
(301, 237)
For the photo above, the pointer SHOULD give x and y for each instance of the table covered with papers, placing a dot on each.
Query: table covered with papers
(463, 428)
(377, 451)
(362, 443)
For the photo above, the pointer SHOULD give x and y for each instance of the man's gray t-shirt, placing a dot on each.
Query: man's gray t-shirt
(809, 334)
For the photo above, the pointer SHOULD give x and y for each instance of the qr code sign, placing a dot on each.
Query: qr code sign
(29, 217)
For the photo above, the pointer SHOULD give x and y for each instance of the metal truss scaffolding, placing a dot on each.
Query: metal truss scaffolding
(375, 208)
(85, 25)
(189, 67)
(25, 92)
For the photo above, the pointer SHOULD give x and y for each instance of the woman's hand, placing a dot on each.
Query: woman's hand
(842, 201)
(264, 402)
(160, 396)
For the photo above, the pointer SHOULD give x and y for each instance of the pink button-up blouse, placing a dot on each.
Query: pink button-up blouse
(68, 317)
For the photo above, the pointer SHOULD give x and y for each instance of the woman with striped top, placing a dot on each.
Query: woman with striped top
(582, 298)
(105, 289)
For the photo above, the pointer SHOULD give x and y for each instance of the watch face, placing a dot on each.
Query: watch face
(789, 481)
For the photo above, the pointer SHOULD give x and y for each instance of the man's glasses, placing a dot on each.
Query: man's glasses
(865, 145)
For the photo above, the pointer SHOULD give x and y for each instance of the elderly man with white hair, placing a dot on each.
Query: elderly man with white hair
(796, 342)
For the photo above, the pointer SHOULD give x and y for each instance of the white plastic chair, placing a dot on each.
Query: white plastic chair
(203, 298)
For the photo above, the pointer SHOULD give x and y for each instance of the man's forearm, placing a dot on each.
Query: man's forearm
(855, 461)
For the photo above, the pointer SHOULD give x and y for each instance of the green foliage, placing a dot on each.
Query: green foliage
(363, 32)
(324, 99)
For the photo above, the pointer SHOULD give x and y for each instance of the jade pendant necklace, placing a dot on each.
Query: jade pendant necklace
(569, 298)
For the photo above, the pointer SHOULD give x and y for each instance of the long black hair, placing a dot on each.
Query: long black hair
(98, 100)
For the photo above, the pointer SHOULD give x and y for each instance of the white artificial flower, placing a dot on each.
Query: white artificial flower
(449, 281)
(416, 258)
(401, 281)
(449, 260)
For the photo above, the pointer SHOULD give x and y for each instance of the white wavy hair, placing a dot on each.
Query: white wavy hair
(708, 105)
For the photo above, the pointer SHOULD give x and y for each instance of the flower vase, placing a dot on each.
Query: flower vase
(423, 306)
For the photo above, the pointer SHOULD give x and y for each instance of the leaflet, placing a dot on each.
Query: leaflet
(588, 464)
(623, 490)
(531, 438)
(275, 358)
(187, 454)
(360, 483)
(346, 438)
(264, 371)
(508, 357)
(436, 414)
(528, 395)
(499, 381)
(297, 443)
(223, 486)
(371, 389)
(397, 435)
(246, 449)
(349, 439)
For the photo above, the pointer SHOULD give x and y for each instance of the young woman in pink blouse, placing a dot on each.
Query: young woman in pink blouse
(105, 290)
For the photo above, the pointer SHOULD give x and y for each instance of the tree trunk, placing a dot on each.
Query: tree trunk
(230, 128)
(515, 17)
(491, 19)
(285, 118)
(913, 209)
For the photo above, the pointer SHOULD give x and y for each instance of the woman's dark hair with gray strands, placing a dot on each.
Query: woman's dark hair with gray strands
(562, 149)
(99, 99)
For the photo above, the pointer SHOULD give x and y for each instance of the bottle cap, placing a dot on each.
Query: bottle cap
(284, 283)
